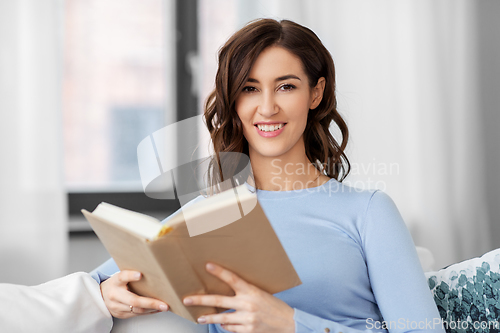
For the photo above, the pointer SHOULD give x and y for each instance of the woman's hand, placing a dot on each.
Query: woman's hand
(122, 303)
(256, 310)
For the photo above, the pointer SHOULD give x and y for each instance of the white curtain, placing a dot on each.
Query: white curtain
(407, 86)
(33, 228)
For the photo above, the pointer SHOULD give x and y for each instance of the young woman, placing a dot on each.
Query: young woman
(274, 100)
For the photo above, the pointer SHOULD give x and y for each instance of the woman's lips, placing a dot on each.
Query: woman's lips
(270, 134)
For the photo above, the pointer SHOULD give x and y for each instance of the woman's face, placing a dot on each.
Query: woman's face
(274, 104)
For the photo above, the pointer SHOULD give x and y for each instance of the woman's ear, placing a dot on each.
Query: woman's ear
(317, 93)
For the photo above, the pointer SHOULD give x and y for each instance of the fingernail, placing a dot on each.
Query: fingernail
(188, 301)
(210, 267)
(163, 307)
(137, 275)
(202, 320)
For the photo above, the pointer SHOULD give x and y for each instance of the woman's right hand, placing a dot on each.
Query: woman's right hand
(122, 303)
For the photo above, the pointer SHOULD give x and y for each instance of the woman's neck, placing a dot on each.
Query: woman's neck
(287, 172)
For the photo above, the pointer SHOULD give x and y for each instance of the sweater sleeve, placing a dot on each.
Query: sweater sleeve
(104, 271)
(308, 323)
(396, 278)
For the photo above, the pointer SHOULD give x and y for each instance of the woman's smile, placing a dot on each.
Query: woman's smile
(270, 130)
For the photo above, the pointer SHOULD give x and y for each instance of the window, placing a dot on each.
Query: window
(117, 62)
(124, 62)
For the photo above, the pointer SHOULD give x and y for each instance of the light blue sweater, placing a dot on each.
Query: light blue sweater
(359, 268)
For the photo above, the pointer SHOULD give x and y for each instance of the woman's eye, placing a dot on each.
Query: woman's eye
(249, 89)
(287, 87)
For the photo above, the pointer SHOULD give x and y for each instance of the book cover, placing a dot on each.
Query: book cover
(229, 229)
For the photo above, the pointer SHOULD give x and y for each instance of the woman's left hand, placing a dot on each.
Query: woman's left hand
(255, 309)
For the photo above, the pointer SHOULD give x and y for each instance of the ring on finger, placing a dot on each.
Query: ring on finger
(131, 308)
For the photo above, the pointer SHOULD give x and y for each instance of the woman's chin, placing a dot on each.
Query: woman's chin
(268, 152)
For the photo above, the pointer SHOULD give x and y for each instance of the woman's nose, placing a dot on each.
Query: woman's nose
(268, 106)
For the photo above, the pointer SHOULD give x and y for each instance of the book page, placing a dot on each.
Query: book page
(218, 210)
(140, 224)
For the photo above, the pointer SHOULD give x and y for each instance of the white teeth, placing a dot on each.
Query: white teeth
(269, 128)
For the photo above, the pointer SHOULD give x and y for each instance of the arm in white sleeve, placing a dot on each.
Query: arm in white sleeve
(72, 303)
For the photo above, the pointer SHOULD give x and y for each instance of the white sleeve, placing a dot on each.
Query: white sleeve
(72, 303)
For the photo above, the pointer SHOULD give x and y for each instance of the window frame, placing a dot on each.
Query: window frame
(186, 23)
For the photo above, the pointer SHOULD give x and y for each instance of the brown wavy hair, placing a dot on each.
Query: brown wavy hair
(236, 59)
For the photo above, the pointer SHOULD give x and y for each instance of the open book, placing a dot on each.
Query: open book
(229, 229)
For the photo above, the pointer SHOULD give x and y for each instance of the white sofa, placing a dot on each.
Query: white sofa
(165, 322)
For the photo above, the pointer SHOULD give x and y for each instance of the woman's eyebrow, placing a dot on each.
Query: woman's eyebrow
(281, 78)
(286, 77)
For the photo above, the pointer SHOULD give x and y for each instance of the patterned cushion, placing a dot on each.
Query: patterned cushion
(467, 294)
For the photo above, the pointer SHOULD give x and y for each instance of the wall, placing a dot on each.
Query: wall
(489, 87)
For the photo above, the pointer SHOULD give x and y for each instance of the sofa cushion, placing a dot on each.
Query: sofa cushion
(467, 294)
